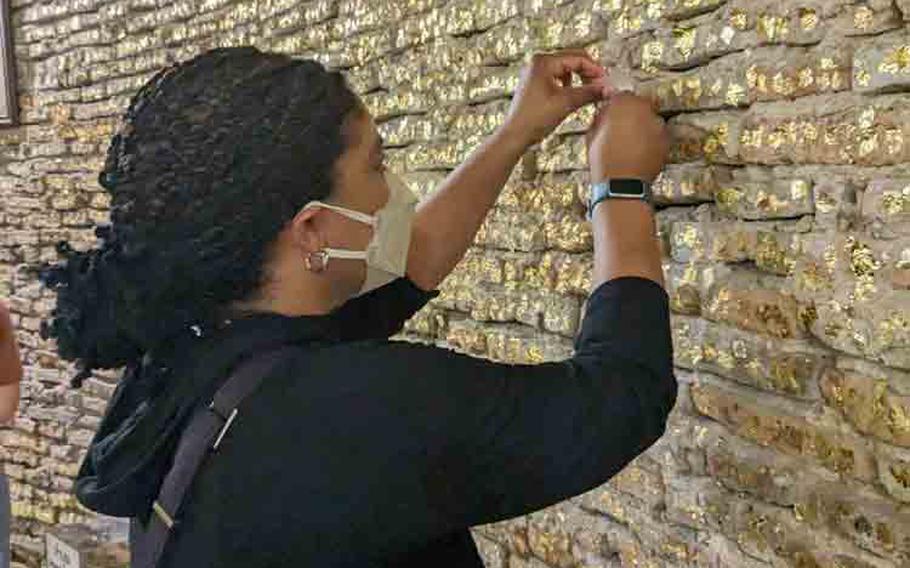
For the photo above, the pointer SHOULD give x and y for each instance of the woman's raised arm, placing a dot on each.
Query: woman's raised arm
(448, 220)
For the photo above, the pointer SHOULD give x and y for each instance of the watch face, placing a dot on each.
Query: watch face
(626, 186)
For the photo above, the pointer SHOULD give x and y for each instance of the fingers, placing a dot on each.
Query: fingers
(563, 64)
(585, 94)
(560, 66)
(569, 61)
(575, 63)
(599, 82)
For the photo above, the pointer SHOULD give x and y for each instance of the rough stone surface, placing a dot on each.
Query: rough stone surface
(784, 220)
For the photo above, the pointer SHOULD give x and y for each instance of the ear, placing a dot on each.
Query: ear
(304, 231)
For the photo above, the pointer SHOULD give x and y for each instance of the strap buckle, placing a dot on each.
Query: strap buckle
(168, 521)
(227, 424)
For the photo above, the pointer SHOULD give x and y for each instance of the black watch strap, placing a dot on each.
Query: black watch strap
(620, 188)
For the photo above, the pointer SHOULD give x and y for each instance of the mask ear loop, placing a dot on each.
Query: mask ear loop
(318, 261)
(349, 213)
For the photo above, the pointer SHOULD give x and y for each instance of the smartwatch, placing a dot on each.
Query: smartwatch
(623, 188)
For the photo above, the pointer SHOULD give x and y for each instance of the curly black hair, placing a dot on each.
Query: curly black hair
(213, 157)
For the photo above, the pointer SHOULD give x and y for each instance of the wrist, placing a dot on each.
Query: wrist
(598, 174)
(513, 137)
(625, 220)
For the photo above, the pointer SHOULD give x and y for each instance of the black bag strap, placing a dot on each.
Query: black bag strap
(202, 436)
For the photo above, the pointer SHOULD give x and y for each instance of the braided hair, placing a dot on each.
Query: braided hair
(213, 157)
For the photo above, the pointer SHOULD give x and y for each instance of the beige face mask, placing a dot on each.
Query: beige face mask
(386, 254)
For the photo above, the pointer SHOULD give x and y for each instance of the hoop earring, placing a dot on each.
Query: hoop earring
(316, 261)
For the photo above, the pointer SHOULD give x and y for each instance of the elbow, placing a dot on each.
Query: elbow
(670, 392)
(7, 417)
(9, 402)
(662, 405)
(660, 390)
(8, 409)
(657, 398)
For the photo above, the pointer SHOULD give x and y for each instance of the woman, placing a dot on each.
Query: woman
(10, 377)
(246, 187)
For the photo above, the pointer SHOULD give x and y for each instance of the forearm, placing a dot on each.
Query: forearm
(625, 241)
(10, 362)
(9, 402)
(10, 368)
(447, 221)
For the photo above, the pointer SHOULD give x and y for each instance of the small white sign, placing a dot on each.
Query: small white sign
(59, 554)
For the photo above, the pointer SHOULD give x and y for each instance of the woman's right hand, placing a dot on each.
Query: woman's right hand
(627, 139)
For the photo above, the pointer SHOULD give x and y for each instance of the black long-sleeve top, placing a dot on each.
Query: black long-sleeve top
(357, 451)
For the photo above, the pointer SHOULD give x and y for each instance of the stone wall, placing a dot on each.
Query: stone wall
(785, 220)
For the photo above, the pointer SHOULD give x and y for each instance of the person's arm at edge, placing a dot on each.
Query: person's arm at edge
(10, 367)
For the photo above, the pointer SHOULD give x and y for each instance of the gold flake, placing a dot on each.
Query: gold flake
(904, 262)
(621, 23)
(810, 131)
(677, 87)
(776, 138)
(894, 140)
(782, 84)
(772, 27)
(761, 82)
(799, 189)
(651, 53)
(735, 94)
(684, 41)
(824, 203)
(808, 19)
(739, 19)
(837, 80)
(752, 138)
(752, 76)
(897, 61)
(862, 261)
(862, 18)
(860, 74)
(868, 144)
(654, 10)
(693, 89)
(805, 78)
(867, 118)
(896, 203)
(688, 237)
(767, 202)
(728, 197)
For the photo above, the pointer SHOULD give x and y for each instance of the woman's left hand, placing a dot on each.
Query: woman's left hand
(545, 95)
